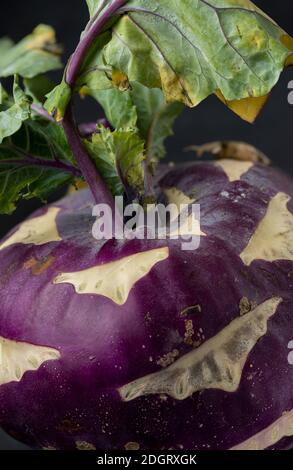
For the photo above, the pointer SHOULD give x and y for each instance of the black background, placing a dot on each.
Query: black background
(210, 121)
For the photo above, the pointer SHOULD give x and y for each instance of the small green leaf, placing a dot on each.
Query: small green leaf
(36, 54)
(118, 107)
(12, 118)
(155, 118)
(57, 101)
(118, 157)
(142, 108)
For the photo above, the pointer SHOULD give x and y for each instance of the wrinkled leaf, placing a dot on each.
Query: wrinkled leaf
(11, 119)
(142, 108)
(35, 54)
(118, 157)
(196, 50)
(24, 182)
(155, 118)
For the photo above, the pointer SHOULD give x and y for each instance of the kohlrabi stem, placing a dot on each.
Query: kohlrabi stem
(100, 192)
(29, 160)
(96, 184)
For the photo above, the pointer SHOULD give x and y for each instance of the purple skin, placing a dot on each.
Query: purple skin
(74, 402)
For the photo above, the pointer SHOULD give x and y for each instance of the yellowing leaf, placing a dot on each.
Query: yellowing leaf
(36, 54)
(247, 108)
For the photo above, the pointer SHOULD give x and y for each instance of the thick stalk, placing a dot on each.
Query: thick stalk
(100, 192)
(97, 186)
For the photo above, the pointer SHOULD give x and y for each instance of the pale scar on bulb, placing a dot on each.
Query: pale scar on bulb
(115, 279)
(191, 225)
(17, 358)
(216, 364)
(37, 231)
(282, 427)
(234, 169)
(273, 238)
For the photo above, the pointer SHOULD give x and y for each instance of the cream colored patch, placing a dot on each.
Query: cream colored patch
(283, 427)
(36, 231)
(17, 358)
(234, 169)
(83, 445)
(273, 238)
(116, 279)
(217, 364)
(132, 446)
(190, 226)
(177, 197)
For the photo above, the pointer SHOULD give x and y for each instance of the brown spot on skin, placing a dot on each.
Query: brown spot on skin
(83, 445)
(168, 358)
(39, 266)
(193, 309)
(246, 306)
(189, 332)
(132, 446)
(68, 426)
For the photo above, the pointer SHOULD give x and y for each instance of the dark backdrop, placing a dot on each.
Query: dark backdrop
(210, 121)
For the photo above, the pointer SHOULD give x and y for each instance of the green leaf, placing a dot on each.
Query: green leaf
(3, 95)
(118, 157)
(43, 139)
(57, 100)
(20, 178)
(12, 118)
(38, 87)
(118, 107)
(36, 54)
(24, 182)
(193, 49)
(142, 108)
(155, 118)
(5, 45)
